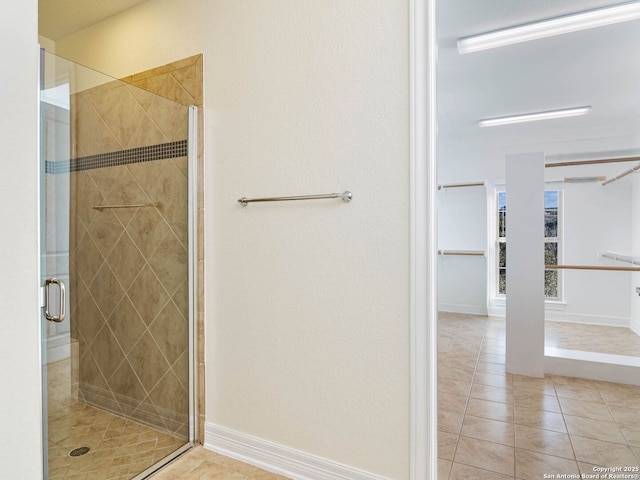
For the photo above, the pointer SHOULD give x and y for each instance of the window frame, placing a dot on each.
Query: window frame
(497, 240)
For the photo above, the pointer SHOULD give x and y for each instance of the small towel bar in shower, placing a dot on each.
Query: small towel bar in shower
(133, 205)
(345, 196)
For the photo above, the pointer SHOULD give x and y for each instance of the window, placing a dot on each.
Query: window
(551, 243)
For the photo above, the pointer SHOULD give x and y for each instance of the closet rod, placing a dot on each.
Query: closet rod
(622, 175)
(469, 253)
(621, 258)
(592, 162)
(591, 267)
(459, 185)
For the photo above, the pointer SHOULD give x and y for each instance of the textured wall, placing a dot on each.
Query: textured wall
(308, 304)
(129, 292)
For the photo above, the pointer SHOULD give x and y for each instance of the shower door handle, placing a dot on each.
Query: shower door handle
(63, 300)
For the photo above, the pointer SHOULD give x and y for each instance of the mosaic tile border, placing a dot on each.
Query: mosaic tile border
(149, 153)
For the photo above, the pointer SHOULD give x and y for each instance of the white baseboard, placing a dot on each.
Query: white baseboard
(595, 366)
(278, 458)
(457, 308)
(552, 313)
(555, 316)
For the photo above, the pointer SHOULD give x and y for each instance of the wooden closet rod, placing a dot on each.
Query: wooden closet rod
(592, 162)
(591, 267)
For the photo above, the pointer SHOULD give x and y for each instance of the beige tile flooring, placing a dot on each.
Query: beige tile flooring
(119, 448)
(575, 336)
(494, 425)
(201, 464)
(491, 424)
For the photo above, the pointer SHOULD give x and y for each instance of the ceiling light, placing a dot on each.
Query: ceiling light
(532, 117)
(547, 28)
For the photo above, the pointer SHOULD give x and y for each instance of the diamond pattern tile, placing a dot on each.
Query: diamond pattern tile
(130, 310)
(119, 448)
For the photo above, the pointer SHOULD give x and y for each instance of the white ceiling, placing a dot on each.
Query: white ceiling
(59, 18)
(597, 67)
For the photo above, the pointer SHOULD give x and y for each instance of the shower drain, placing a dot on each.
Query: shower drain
(76, 452)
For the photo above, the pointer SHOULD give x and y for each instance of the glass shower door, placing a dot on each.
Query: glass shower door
(115, 276)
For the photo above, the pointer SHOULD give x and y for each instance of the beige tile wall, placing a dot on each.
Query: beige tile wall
(129, 283)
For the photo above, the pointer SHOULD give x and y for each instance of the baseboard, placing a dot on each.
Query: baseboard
(277, 458)
(555, 316)
(552, 314)
(591, 365)
(457, 308)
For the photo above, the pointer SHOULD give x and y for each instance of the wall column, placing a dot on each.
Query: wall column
(635, 251)
(525, 264)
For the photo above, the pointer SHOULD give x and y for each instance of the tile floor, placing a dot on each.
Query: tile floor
(119, 448)
(494, 425)
(201, 464)
(575, 336)
(491, 424)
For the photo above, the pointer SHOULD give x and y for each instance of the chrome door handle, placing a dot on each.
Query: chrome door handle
(63, 300)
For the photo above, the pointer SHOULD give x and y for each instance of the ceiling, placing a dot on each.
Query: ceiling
(596, 67)
(59, 18)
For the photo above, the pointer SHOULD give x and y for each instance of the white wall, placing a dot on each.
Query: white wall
(525, 264)
(596, 219)
(462, 225)
(635, 251)
(20, 416)
(307, 303)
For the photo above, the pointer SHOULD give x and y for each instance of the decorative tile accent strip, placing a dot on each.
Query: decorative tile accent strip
(123, 157)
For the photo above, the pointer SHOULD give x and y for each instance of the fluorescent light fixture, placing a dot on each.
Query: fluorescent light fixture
(533, 117)
(546, 28)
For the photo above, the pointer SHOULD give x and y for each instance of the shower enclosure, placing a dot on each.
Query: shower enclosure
(117, 252)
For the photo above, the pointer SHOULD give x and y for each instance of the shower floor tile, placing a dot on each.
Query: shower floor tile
(119, 448)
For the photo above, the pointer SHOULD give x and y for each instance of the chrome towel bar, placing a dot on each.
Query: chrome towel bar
(346, 196)
(468, 253)
(459, 185)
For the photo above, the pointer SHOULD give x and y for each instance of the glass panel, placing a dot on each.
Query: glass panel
(502, 254)
(502, 214)
(551, 214)
(502, 281)
(551, 253)
(115, 231)
(551, 283)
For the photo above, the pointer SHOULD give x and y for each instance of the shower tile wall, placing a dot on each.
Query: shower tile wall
(182, 82)
(129, 284)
